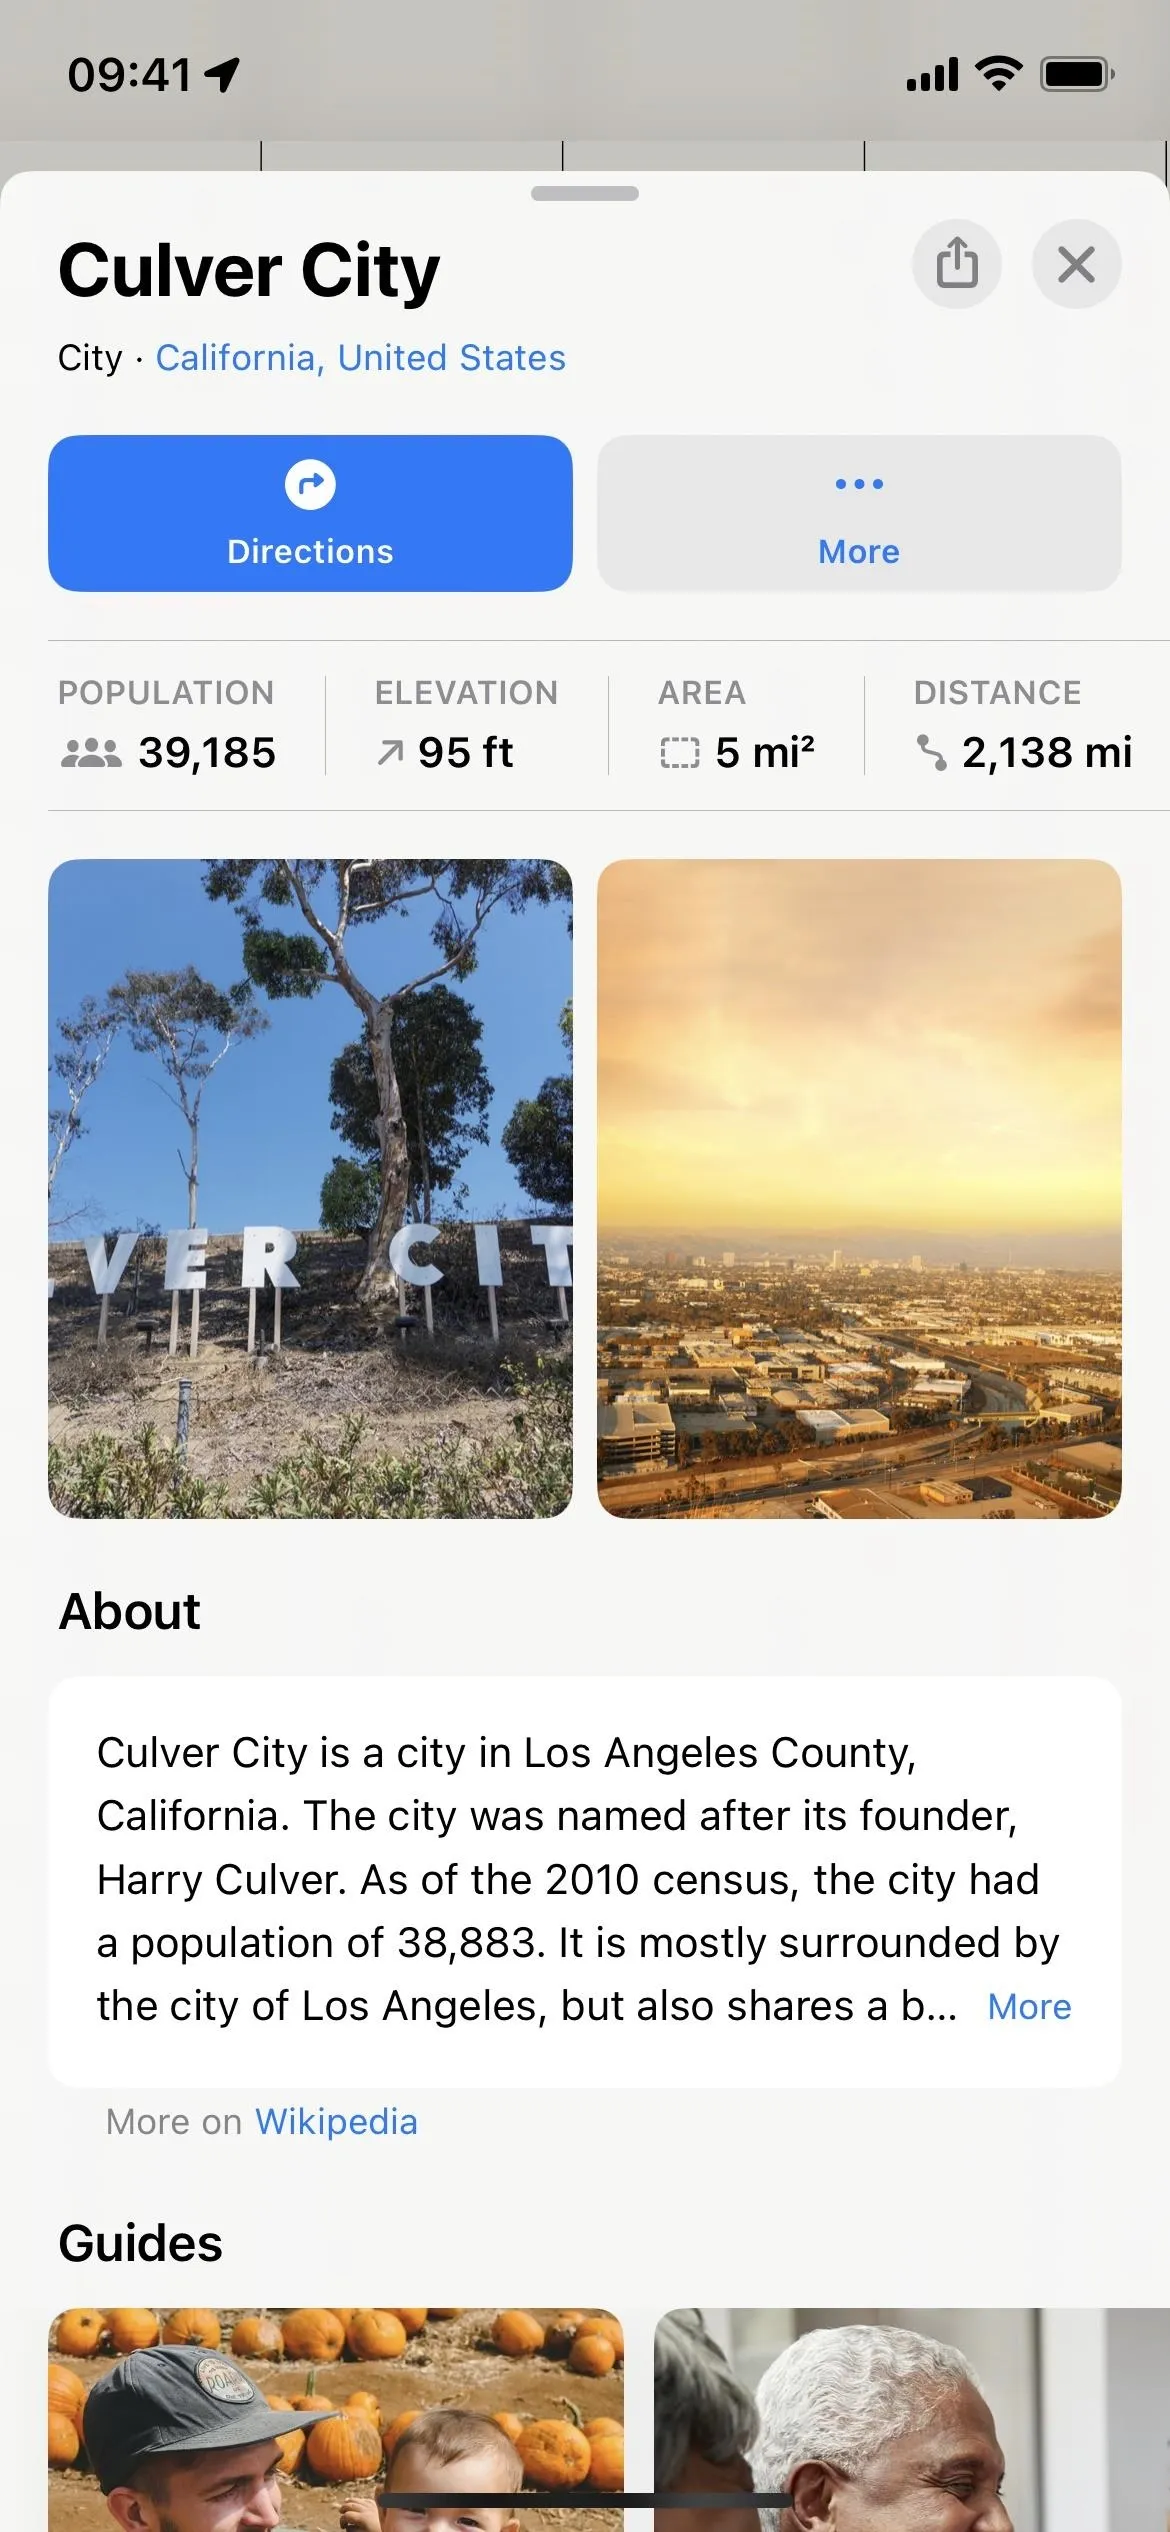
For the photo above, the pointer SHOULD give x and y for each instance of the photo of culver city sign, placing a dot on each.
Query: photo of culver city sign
(368, 1064)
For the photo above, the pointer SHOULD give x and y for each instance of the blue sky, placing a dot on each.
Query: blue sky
(266, 1143)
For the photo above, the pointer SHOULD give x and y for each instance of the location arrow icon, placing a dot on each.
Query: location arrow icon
(225, 73)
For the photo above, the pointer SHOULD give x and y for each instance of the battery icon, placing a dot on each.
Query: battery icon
(1076, 74)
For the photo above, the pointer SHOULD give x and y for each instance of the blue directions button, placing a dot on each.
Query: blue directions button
(312, 513)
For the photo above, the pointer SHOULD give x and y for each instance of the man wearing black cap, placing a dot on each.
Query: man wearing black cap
(184, 2441)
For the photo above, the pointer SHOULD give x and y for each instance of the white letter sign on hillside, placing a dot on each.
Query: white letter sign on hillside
(186, 1266)
(268, 1252)
(186, 1271)
(407, 1268)
(268, 1256)
(555, 1238)
(489, 1269)
(106, 1272)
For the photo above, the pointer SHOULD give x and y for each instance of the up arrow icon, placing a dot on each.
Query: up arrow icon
(957, 266)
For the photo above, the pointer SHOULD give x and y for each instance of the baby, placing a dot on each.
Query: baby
(445, 2453)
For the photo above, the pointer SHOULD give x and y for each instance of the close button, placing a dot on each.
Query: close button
(1077, 265)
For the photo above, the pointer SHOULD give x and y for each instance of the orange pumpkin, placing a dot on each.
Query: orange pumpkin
(595, 2427)
(257, 2335)
(509, 2424)
(395, 2429)
(560, 2334)
(310, 2397)
(192, 2326)
(606, 2327)
(291, 2446)
(375, 2335)
(132, 2327)
(517, 2334)
(80, 2331)
(413, 2319)
(66, 2391)
(590, 2353)
(366, 2402)
(607, 2467)
(344, 2448)
(343, 2312)
(313, 2336)
(554, 2454)
(64, 2440)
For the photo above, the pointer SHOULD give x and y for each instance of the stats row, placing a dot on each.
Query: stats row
(663, 723)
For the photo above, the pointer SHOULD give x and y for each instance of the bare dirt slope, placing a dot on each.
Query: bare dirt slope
(338, 1359)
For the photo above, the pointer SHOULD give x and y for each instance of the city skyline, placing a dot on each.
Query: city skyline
(1017, 1252)
(895, 1056)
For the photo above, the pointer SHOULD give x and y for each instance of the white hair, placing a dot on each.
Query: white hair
(838, 2395)
(699, 2405)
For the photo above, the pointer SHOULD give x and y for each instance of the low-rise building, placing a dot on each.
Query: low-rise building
(719, 1418)
(822, 1424)
(633, 1431)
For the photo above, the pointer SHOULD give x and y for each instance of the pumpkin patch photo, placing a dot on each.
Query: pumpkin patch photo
(360, 2381)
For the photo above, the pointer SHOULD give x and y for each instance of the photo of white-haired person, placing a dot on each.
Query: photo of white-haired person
(704, 2422)
(868, 2429)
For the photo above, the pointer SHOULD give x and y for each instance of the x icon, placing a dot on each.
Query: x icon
(1076, 263)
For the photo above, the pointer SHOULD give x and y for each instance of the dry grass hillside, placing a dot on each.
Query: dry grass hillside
(346, 1381)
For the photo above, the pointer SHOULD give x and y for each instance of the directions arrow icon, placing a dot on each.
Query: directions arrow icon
(313, 480)
(225, 73)
(394, 747)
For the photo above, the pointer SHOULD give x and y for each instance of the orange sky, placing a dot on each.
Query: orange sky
(919, 1045)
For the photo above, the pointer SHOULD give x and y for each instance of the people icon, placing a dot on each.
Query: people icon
(89, 759)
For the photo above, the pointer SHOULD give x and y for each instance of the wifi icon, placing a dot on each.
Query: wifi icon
(998, 69)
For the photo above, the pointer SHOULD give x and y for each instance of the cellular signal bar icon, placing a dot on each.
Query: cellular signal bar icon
(944, 75)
